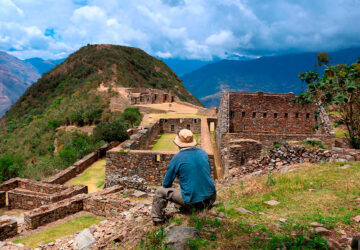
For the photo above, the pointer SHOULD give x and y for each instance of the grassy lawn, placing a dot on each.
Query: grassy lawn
(152, 117)
(165, 142)
(321, 193)
(93, 177)
(67, 228)
(340, 133)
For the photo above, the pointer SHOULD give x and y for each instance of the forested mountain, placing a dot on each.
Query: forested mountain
(68, 95)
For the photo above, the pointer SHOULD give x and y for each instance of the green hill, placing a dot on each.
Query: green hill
(67, 95)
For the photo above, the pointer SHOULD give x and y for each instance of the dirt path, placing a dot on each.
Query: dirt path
(205, 137)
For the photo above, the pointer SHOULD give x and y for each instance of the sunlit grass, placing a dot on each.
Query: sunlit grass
(321, 193)
(68, 228)
(166, 142)
(93, 177)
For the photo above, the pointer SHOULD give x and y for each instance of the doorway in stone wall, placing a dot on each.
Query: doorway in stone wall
(212, 127)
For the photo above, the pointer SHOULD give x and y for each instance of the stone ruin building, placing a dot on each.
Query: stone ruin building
(133, 164)
(248, 123)
(149, 96)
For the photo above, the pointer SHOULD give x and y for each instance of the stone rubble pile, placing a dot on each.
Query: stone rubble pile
(287, 155)
(123, 231)
(129, 182)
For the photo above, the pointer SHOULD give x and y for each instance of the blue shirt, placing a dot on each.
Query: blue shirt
(192, 168)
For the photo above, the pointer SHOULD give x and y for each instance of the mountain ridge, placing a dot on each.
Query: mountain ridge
(270, 74)
(15, 77)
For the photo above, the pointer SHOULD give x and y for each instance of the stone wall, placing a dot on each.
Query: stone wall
(271, 113)
(28, 194)
(268, 119)
(150, 96)
(146, 137)
(81, 165)
(106, 206)
(8, 228)
(149, 165)
(143, 139)
(2, 199)
(242, 150)
(174, 125)
(52, 212)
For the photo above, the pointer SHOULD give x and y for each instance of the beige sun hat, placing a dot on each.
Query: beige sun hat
(185, 139)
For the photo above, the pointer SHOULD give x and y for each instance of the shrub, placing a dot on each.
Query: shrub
(68, 155)
(10, 167)
(53, 124)
(132, 116)
(111, 131)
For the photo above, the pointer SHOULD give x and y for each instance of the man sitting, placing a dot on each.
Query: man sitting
(191, 166)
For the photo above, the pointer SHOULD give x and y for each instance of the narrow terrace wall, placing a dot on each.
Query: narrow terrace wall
(8, 228)
(46, 214)
(143, 138)
(2, 199)
(81, 165)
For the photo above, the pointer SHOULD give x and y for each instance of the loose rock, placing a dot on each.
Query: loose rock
(84, 239)
(272, 203)
(243, 210)
(178, 237)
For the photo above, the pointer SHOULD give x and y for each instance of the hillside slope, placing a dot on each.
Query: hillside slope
(68, 95)
(270, 74)
(15, 77)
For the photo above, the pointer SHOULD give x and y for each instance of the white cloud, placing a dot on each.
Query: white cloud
(88, 13)
(223, 37)
(164, 54)
(179, 28)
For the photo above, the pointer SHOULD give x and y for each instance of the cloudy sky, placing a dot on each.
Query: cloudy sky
(196, 29)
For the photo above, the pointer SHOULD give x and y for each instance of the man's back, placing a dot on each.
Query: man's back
(194, 173)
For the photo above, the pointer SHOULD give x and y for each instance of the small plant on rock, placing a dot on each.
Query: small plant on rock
(270, 181)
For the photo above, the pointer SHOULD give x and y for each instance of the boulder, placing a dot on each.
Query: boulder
(178, 237)
(84, 240)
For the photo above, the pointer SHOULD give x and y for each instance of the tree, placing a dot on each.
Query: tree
(111, 131)
(9, 167)
(131, 115)
(323, 58)
(339, 87)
